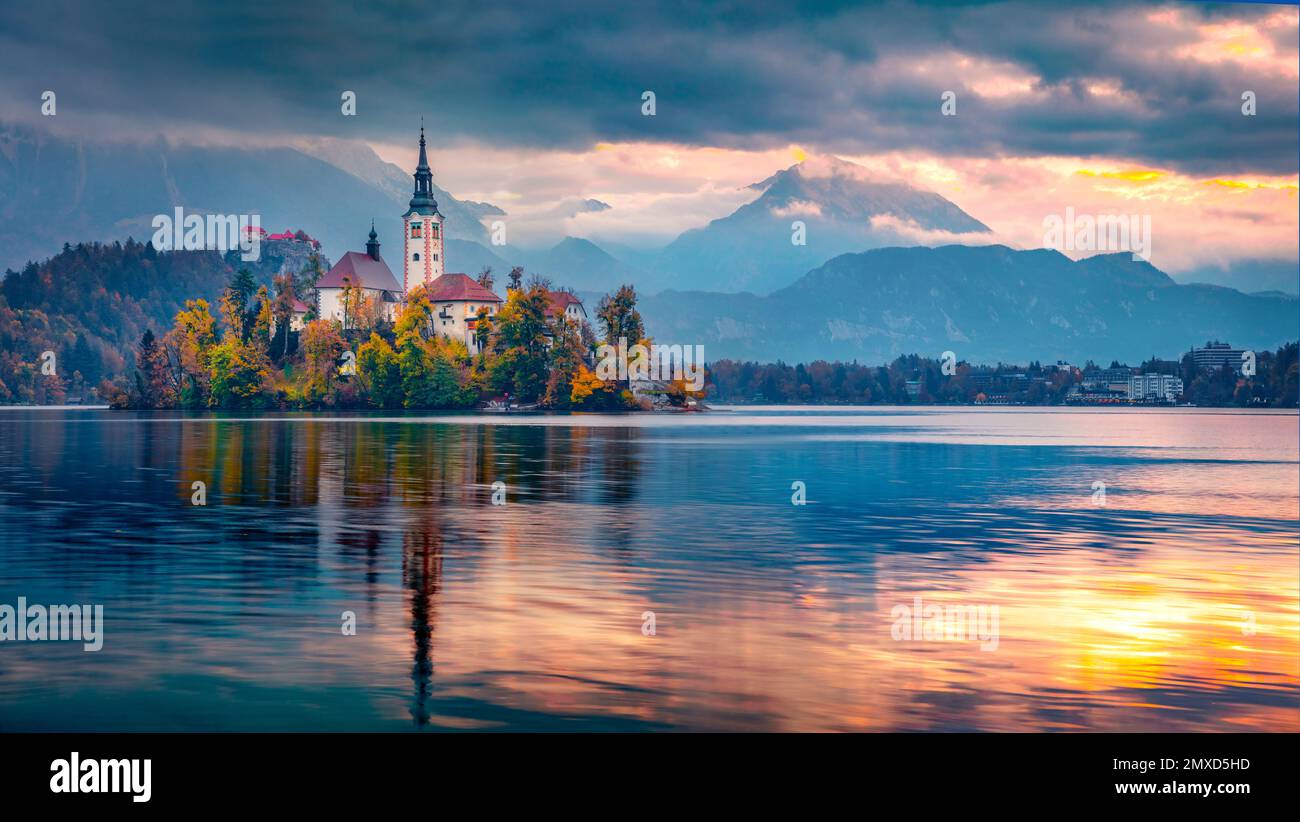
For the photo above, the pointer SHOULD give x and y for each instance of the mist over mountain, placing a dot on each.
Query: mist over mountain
(843, 209)
(54, 191)
(985, 303)
(641, 259)
(580, 264)
(1250, 276)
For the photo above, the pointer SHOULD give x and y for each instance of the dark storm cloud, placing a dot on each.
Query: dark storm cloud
(837, 77)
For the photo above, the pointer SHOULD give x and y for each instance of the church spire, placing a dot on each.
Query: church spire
(424, 158)
(422, 201)
(372, 246)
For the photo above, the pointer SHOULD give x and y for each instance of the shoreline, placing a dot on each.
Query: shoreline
(720, 408)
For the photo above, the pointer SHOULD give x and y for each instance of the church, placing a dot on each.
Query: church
(456, 298)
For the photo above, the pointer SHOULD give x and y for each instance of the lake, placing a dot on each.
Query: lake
(1116, 570)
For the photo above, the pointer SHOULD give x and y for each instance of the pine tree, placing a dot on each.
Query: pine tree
(151, 377)
(620, 318)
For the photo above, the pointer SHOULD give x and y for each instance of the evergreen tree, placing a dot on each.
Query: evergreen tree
(619, 317)
(85, 359)
(151, 377)
(567, 357)
(520, 344)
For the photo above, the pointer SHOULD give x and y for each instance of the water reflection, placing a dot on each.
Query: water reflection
(1174, 607)
(422, 574)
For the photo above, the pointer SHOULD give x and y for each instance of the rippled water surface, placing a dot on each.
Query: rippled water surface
(1171, 607)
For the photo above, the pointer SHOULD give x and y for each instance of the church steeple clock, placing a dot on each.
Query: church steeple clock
(423, 229)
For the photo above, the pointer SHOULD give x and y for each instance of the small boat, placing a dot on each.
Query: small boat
(499, 407)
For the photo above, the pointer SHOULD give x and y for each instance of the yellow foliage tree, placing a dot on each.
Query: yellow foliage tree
(189, 346)
(322, 346)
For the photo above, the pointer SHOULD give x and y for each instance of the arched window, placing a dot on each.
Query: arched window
(416, 256)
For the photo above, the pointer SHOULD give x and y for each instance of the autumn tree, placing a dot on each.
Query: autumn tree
(380, 373)
(240, 375)
(482, 328)
(681, 393)
(567, 356)
(520, 344)
(322, 347)
(282, 314)
(188, 346)
(349, 298)
(589, 392)
(263, 321)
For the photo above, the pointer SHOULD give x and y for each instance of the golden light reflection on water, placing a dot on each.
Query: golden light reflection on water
(1166, 638)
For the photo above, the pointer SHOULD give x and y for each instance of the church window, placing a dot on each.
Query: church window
(416, 256)
(434, 257)
(433, 230)
(415, 229)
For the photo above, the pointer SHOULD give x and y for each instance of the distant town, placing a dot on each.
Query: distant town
(1215, 374)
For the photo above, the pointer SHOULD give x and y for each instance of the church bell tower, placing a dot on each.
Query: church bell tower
(422, 224)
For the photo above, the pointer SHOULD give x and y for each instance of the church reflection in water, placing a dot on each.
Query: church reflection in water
(422, 576)
(372, 487)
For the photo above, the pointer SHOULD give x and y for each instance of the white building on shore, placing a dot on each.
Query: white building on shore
(1154, 388)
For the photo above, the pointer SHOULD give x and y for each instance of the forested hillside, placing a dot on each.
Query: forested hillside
(90, 305)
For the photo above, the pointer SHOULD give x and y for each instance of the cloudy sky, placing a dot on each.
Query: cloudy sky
(1105, 107)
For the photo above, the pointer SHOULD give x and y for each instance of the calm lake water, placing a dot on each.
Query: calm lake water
(1172, 607)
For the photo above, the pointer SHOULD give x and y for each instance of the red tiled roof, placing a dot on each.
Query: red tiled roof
(558, 301)
(360, 270)
(300, 307)
(287, 234)
(459, 288)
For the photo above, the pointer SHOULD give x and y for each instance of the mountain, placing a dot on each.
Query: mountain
(572, 263)
(1280, 294)
(1249, 276)
(843, 208)
(641, 259)
(55, 191)
(469, 257)
(580, 264)
(985, 303)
